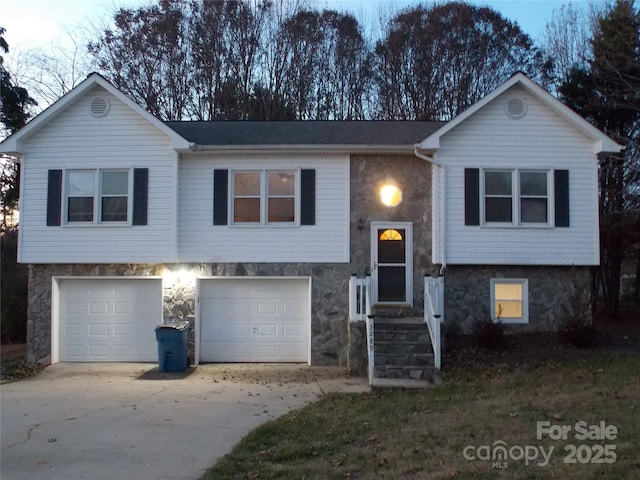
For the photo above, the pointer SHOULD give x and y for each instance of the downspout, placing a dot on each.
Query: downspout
(440, 202)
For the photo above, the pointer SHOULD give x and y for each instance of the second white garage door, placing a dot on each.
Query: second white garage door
(254, 319)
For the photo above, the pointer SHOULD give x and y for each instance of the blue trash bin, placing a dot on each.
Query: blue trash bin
(172, 346)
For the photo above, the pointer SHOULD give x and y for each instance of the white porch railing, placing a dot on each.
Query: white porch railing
(360, 311)
(434, 313)
(359, 298)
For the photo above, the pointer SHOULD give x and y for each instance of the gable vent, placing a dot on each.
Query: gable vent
(516, 107)
(99, 107)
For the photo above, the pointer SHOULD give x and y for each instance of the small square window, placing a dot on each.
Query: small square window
(509, 300)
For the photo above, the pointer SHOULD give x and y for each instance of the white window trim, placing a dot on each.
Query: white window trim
(524, 282)
(97, 198)
(264, 199)
(516, 197)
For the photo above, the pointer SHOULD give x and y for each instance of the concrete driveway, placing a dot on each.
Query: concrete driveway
(125, 421)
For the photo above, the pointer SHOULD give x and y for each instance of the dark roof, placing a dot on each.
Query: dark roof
(230, 133)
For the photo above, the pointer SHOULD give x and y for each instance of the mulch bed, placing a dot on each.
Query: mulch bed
(531, 349)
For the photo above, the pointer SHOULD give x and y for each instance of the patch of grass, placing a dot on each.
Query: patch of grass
(422, 434)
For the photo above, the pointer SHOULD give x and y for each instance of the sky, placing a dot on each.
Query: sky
(43, 23)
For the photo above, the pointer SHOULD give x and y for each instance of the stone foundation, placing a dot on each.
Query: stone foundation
(329, 303)
(553, 292)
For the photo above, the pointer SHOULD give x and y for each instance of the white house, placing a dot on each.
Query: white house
(258, 228)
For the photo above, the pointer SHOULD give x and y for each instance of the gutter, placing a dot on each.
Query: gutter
(300, 148)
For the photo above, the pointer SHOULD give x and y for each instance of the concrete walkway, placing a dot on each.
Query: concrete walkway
(128, 421)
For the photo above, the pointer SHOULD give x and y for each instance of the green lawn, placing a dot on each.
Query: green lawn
(425, 434)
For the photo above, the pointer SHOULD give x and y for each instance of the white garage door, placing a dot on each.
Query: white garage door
(254, 320)
(110, 320)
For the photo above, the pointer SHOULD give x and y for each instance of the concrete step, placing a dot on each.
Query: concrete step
(405, 383)
(414, 372)
(422, 359)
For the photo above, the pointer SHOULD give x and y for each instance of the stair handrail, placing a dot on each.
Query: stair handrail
(434, 314)
(370, 348)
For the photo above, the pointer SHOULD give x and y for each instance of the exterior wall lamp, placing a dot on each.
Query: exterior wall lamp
(390, 195)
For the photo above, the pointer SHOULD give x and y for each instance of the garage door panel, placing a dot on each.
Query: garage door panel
(98, 330)
(292, 330)
(109, 320)
(73, 330)
(98, 308)
(266, 330)
(98, 351)
(267, 308)
(292, 352)
(254, 320)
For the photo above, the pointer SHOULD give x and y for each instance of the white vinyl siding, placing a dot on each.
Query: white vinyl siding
(326, 241)
(120, 140)
(542, 141)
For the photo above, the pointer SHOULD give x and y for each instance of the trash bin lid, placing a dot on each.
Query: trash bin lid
(173, 325)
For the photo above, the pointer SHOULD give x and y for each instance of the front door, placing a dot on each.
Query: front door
(391, 263)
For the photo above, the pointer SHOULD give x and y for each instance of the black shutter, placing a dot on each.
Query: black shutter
(54, 198)
(472, 196)
(561, 195)
(220, 196)
(140, 195)
(308, 197)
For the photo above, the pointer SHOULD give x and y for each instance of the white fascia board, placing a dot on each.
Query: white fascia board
(602, 143)
(304, 148)
(14, 144)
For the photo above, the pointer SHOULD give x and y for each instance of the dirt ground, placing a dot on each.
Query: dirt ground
(13, 350)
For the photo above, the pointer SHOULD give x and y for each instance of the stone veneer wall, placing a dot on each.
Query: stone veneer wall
(552, 293)
(413, 176)
(329, 309)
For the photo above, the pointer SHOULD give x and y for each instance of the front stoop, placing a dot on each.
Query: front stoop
(403, 354)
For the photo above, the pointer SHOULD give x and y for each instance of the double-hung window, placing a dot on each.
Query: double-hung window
(264, 197)
(510, 300)
(516, 197)
(97, 196)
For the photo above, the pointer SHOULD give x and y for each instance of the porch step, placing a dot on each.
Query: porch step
(405, 383)
(403, 351)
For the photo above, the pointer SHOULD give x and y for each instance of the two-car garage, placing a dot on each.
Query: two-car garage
(238, 319)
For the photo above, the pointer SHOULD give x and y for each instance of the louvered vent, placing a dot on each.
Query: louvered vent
(99, 107)
(516, 108)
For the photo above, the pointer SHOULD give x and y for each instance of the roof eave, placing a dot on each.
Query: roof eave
(14, 145)
(300, 148)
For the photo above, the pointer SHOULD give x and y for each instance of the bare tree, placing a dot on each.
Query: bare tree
(435, 62)
(144, 55)
(567, 37)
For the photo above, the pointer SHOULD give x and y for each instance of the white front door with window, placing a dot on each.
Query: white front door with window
(391, 263)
